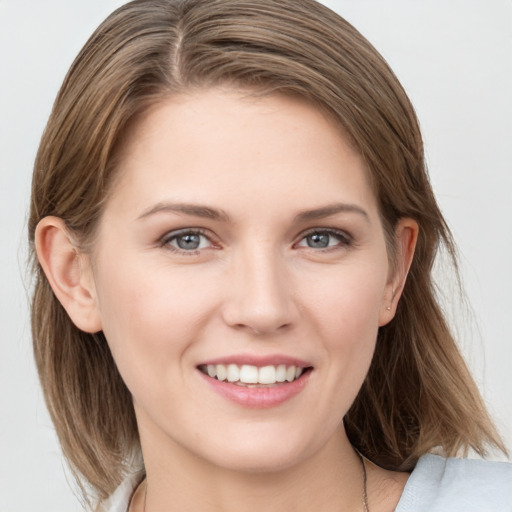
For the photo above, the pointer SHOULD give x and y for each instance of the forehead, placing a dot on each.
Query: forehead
(227, 144)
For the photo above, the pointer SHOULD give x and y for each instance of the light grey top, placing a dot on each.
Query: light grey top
(436, 485)
(457, 485)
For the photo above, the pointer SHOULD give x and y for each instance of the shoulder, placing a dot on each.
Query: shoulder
(458, 485)
(120, 499)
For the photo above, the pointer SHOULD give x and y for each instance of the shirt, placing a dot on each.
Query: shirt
(435, 485)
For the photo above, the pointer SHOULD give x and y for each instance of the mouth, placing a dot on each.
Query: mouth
(251, 376)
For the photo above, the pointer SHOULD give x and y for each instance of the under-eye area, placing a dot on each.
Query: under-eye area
(250, 375)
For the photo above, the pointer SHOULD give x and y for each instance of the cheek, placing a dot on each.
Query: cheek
(151, 318)
(352, 325)
(346, 317)
(349, 300)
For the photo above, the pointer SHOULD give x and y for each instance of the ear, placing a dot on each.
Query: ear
(68, 272)
(406, 236)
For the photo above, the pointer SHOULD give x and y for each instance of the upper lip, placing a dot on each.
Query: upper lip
(259, 361)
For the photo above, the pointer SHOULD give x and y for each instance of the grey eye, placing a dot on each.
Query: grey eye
(325, 239)
(319, 240)
(188, 241)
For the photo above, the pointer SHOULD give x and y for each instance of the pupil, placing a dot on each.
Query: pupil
(318, 240)
(189, 241)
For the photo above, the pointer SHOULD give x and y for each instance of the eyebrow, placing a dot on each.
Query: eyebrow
(207, 212)
(331, 209)
(188, 209)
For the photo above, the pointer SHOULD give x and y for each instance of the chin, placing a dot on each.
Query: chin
(263, 452)
(258, 463)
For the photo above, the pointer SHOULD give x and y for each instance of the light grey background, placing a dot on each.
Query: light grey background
(454, 57)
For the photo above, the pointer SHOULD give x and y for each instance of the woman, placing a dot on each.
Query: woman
(235, 234)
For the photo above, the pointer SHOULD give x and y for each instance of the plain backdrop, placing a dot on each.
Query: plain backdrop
(454, 57)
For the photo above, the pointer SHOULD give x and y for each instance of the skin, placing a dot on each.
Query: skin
(254, 287)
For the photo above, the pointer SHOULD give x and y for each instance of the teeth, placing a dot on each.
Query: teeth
(233, 373)
(267, 375)
(281, 373)
(249, 374)
(222, 372)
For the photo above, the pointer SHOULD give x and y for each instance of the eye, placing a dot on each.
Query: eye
(189, 240)
(324, 239)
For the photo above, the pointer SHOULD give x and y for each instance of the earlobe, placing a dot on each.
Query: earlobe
(406, 236)
(68, 273)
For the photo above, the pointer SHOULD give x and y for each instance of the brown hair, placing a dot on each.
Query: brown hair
(418, 395)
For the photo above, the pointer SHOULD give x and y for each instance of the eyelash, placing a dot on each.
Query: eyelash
(345, 240)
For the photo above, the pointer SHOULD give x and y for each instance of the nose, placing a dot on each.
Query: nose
(260, 294)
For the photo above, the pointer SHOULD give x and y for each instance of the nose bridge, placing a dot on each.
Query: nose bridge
(261, 292)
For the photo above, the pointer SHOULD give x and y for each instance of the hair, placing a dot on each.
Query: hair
(418, 395)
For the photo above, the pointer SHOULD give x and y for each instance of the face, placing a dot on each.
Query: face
(240, 273)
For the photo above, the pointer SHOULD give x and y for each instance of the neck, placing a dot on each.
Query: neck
(330, 480)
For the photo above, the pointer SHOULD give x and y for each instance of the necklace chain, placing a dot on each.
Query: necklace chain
(365, 483)
(366, 508)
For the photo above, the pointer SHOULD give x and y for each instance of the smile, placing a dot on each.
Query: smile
(260, 385)
(250, 375)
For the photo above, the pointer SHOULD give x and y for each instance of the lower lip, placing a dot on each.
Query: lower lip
(255, 397)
